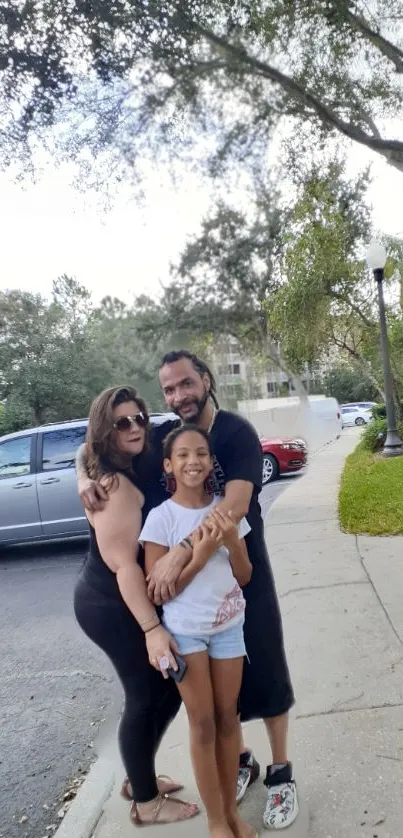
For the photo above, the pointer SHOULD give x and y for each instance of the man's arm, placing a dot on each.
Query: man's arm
(238, 494)
(206, 542)
(92, 495)
(241, 460)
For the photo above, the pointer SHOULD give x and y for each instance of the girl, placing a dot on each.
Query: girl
(206, 620)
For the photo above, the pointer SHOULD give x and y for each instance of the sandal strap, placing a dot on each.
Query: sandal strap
(154, 820)
(160, 805)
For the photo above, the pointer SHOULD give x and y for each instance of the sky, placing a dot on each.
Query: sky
(50, 228)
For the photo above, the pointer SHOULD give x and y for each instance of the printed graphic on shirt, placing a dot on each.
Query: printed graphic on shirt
(232, 605)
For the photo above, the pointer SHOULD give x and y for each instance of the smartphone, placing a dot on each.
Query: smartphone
(180, 673)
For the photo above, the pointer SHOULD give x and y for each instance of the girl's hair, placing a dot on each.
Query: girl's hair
(197, 364)
(102, 456)
(170, 440)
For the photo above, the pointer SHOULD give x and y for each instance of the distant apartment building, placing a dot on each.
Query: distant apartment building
(242, 377)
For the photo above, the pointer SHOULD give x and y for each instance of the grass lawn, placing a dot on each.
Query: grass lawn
(371, 494)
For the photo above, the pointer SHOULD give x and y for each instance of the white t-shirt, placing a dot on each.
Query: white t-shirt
(213, 600)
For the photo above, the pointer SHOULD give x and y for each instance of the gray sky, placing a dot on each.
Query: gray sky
(49, 229)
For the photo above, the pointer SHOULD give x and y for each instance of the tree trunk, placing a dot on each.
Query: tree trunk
(298, 386)
(38, 414)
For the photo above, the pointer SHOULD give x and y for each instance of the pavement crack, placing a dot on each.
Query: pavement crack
(384, 609)
(334, 712)
(322, 587)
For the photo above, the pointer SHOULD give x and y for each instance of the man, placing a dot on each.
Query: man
(190, 392)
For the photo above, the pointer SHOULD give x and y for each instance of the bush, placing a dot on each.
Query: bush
(374, 435)
(379, 411)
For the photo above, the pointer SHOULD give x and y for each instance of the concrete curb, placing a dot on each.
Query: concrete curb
(85, 811)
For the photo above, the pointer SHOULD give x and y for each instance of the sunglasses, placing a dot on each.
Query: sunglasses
(127, 423)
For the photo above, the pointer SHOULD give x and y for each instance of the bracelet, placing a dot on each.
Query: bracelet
(147, 631)
(186, 542)
(150, 621)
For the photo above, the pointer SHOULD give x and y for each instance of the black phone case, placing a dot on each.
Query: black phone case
(180, 673)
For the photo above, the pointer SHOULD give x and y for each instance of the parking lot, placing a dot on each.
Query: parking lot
(55, 687)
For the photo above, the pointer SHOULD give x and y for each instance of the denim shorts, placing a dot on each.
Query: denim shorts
(224, 645)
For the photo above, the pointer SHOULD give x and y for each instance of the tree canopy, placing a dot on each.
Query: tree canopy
(161, 71)
(56, 355)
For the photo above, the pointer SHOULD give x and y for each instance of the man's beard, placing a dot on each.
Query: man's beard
(199, 405)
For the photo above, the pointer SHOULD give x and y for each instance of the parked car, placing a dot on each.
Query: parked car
(282, 456)
(38, 491)
(361, 405)
(351, 415)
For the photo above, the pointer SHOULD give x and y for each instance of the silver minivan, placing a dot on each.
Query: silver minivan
(38, 489)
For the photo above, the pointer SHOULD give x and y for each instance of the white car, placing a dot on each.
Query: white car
(351, 415)
(363, 405)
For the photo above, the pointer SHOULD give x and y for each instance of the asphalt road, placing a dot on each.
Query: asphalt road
(56, 688)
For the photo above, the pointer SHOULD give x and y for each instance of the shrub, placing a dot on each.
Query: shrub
(375, 432)
(374, 435)
(379, 411)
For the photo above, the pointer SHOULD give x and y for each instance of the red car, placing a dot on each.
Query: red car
(281, 456)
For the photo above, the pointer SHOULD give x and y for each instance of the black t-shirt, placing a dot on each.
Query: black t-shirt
(237, 456)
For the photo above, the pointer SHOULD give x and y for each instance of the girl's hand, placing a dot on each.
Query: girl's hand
(225, 522)
(206, 542)
(161, 648)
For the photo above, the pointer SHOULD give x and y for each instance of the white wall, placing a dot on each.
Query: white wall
(317, 422)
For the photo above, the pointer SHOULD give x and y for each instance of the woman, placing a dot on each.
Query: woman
(112, 606)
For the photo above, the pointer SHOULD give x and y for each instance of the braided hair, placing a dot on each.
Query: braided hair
(197, 364)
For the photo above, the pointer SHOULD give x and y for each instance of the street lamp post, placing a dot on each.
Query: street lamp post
(376, 260)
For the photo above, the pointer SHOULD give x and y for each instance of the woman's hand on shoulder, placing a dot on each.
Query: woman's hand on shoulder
(93, 495)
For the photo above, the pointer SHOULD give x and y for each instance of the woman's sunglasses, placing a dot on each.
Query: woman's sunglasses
(127, 423)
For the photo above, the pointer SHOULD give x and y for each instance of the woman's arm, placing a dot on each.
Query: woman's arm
(117, 528)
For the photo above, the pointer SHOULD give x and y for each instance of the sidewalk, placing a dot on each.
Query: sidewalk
(341, 599)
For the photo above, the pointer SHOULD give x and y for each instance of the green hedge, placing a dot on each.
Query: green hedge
(379, 411)
(374, 434)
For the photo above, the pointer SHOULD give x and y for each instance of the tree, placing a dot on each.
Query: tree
(227, 280)
(325, 279)
(348, 384)
(162, 70)
(329, 300)
(57, 355)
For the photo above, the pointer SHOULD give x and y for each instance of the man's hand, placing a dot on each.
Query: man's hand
(165, 574)
(224, 521)
(92, 495)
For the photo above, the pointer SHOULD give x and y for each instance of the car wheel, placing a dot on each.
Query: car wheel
(360, 421)
(270, 469)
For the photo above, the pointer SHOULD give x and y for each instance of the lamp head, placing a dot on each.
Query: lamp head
(376, 256)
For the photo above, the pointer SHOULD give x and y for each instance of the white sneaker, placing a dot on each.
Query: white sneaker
(282, 801)
(248, 773)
